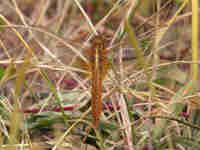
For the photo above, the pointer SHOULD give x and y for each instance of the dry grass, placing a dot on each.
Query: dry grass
(150, 95)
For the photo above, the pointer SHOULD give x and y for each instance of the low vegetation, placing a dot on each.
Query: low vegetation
(105, 75)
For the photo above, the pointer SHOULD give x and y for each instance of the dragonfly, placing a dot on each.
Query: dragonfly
(92, 62)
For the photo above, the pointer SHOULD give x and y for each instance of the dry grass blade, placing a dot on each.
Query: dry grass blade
(86, 17)
(195, 39)
(99, 74)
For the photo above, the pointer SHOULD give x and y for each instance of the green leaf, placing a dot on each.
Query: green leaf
(2, 72)
(43, 120)
(175, 108)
